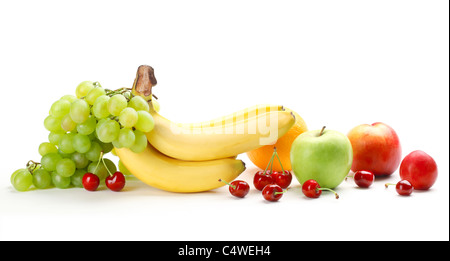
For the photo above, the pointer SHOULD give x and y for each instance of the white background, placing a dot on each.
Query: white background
(336, 63)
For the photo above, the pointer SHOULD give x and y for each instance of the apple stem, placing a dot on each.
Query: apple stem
(321, 131)
(233, 186)
(327, 189)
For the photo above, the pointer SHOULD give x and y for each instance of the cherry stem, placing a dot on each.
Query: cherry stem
(321, 131)
(270, 162)
(279, 192)
(106, 167)
(388, 184)
(327, 189)
(233, 186)
(349, 176)
(279, 160)
(99, 159)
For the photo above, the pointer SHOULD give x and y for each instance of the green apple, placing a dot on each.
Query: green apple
(323, 155)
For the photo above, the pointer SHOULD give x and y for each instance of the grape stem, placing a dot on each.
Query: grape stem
(32, 165)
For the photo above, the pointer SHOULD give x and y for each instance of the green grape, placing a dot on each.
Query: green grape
(22, 180)
(94, 152)
(93, 94)
(65, 144)
(138, 103)
(52, 123)
(49, 161)
(140, 142)
(67, 124)
(54, 137)
(81, 143)
(123, 169)
(116, 144)
(116, 104)
(99, 169)
(77, 178)
(100, 123)
(80, 159)
(145, 122)
(156, 105)
(42, 179)
(60, 108)
(65, 167)
(14, 174)
(60, 181)
(47, 147)
(100, 107)
(126, 137)
(128, 117)
(108, 131)
(87, 127)
(106, 147)
(83, 88)
(69, 98)
(64, 155)
(110, 165)
(79, 111)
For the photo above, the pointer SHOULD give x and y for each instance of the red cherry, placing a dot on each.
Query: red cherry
(282, 179)
(312, 189)
(238, 188)
(262, 179)
(115, 182)
(403, 187)
(272, 192)
(363, 178)
(90, 181)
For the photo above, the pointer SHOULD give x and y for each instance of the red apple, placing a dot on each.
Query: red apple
(419, 169)
(376, 148)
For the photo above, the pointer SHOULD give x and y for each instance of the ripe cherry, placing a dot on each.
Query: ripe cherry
(363, 178)
(90, 181)
(282, 179)
(116, 181)
(267, 177)
(272, 192)
(262, 179)
(403, 187)
(238, 188)
(312, 189)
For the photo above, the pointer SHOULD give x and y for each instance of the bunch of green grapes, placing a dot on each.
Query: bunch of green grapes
(82, 129)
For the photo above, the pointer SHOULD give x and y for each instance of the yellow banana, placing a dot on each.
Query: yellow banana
(160, 171)
(221, 140)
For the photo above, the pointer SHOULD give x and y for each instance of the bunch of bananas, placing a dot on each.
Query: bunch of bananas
(193, 157)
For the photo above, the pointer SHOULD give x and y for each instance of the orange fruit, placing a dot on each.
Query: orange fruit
(261, 156)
